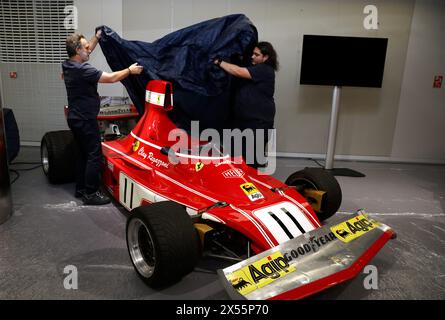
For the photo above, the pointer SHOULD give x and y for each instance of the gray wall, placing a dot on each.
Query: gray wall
(421, 116)
(373, 123)
(93, 14)
(36, 97)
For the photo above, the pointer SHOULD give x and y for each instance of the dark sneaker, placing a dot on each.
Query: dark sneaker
(96, 199)
(79, 193)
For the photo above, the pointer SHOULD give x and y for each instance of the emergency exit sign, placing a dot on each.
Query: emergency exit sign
(437, 82)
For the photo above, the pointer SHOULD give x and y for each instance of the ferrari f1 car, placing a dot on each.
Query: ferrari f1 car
(216, 205)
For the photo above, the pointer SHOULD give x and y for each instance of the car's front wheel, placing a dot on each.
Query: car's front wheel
(162, 243)
(320, 188)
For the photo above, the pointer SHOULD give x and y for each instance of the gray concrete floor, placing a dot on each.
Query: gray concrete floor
(50, 230)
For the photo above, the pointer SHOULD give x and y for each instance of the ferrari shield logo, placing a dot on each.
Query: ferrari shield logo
(135, 145)
(199, 166)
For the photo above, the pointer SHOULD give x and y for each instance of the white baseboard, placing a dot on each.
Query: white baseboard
(29, 144)
(360, 158)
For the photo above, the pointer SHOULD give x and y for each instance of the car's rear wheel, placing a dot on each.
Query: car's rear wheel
(320, 188)
(162, 243)
(58, 156)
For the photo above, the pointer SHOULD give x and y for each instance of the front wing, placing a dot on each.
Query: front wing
(312, 262)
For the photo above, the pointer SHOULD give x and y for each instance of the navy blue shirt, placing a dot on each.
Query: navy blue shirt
(81, 87)
(254, 101)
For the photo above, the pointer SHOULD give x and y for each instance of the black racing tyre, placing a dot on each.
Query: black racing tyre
(321, 180)
(162, 243)
(12, 134)
(58, 156)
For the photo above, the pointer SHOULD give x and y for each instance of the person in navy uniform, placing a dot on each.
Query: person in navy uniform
(81, 81)
(254, 106)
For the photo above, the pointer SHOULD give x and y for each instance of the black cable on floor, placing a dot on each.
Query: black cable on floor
(28, 169)
(318, 163)
(24, 163)
(16, 170)
(17, 175)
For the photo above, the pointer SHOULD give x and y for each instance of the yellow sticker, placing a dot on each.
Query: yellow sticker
(249, 188)
(135, 145)
(354, 228)
(199, 166)
(260, 273)
(251, 191)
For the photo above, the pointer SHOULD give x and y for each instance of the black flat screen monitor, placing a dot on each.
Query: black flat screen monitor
(343, 61)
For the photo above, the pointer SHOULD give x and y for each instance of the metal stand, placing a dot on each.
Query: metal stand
(5, 186)
(332, 137)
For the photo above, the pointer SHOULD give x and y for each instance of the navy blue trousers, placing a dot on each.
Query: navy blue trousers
(89, 157)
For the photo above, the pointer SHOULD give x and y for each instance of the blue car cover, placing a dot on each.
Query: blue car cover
(202, 90)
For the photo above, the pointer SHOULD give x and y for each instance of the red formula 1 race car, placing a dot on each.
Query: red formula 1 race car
(183, 205)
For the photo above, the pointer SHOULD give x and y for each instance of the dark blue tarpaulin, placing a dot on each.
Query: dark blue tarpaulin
(202, 91)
